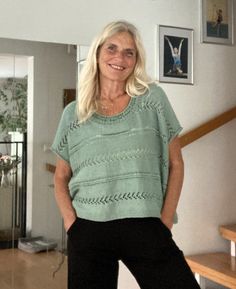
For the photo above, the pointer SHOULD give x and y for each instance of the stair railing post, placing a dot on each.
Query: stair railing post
(200, 280)
(233, 249)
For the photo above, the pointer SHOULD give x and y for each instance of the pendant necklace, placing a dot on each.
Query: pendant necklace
(107, 105)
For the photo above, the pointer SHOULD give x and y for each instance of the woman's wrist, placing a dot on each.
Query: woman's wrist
(167, 219)
(69, 220)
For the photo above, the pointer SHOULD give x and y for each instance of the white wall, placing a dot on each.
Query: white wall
(75, 22)
(208, 197)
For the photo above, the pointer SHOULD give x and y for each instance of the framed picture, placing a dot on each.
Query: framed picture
(175, 54)
(217, 21)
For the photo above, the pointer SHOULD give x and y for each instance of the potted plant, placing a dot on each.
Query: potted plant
(13, 105)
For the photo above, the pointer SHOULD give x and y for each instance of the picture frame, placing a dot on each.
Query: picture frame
(217, 21)
(175, 54)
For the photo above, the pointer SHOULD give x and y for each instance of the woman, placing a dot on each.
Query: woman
(119, 171)
(176, 55)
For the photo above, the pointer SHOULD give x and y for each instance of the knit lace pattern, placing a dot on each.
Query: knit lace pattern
(119, 163)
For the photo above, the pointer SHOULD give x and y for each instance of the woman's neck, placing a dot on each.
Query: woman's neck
(112, 91)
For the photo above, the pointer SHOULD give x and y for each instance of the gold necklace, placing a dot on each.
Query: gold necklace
(107, 105)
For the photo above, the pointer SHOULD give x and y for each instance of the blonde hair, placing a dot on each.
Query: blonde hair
(88, 85)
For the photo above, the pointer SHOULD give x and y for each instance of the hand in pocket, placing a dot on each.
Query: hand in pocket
(69, 224)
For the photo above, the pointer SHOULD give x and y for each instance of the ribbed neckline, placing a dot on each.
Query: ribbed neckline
(116, 117)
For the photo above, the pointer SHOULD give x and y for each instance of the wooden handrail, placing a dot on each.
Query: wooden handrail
(195, 134)
(207, 127)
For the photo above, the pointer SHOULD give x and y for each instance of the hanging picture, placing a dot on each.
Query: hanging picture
(217, 21)
(175, 55)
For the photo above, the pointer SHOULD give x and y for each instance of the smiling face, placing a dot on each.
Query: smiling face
(117, 58)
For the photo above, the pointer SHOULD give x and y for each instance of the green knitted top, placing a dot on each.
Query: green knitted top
(119, 163)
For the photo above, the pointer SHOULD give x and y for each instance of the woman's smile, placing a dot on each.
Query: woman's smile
(117, 67)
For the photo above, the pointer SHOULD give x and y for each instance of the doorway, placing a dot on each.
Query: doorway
(13, 148)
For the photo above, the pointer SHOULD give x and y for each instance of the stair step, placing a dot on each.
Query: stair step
(228, 232)
(218, 267)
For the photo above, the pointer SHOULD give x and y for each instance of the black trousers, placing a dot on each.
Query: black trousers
(144, 245)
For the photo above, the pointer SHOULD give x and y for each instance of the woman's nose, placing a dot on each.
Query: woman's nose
(120, 54)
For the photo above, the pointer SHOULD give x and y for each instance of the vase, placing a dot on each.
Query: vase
(5, 182)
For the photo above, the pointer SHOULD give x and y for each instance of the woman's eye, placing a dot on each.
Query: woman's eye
(111, 48)
(130, 53)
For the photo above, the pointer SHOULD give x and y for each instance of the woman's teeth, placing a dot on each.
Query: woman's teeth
(117, 67)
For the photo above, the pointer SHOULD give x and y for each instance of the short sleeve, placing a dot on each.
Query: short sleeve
(60, 144)
(169, 120)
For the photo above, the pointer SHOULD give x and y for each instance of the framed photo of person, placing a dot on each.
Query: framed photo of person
(217, 21)
(175, 54)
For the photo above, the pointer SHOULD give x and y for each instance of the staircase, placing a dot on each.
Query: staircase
(218, 267)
